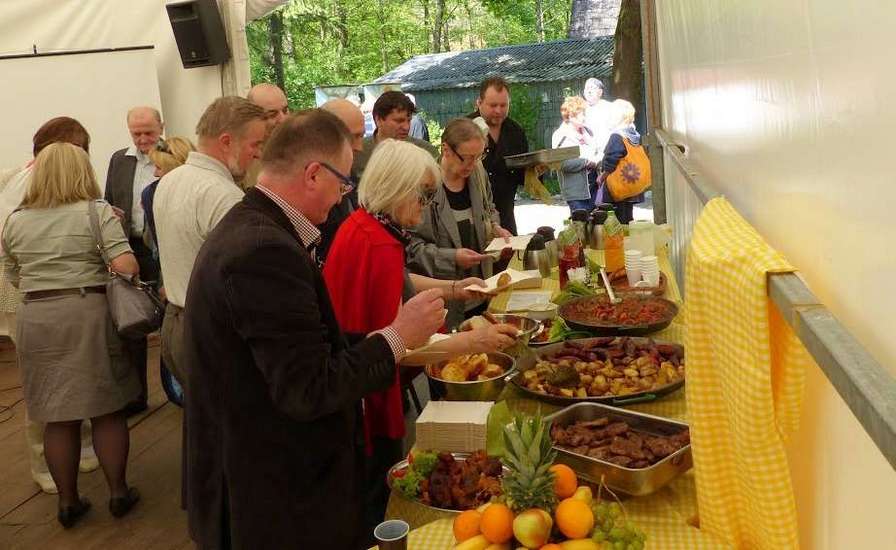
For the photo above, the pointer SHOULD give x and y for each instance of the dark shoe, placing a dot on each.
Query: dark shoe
(69, 515)
(135, 407)
(120, 506)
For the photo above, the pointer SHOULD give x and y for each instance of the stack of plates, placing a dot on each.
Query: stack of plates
(455, 426)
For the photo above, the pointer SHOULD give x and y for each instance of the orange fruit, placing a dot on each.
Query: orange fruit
(466, 525)
(574, 518)
(565, 480)
(551, 546)
(497, 523)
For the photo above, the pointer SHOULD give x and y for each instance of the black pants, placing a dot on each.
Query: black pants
(504, 203)
(135, 348)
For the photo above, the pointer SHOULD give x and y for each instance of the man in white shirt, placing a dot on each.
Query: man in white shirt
(191, 200)
(130, 171)
(598, 115)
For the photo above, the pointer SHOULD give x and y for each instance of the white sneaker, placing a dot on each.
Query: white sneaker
(45, 481)
(88, 461)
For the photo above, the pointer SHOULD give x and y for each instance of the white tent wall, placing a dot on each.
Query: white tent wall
(785, 106)
(53, 25)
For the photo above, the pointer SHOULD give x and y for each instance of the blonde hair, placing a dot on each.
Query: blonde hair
(394, 175)
(625, 111)
(62, 175)
(572, 106)
(228, 115)
(462, 130)
(177, 150)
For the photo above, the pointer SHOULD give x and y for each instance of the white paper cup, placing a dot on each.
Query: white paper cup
(633, 274)
(653, 279)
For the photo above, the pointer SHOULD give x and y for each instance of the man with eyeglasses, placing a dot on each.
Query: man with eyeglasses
(272, 99)
(276, 445)
(392, 115)
(505, 138)
(130, 172)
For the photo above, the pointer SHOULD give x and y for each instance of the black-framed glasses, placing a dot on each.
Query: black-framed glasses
(466, 159)
(426, 196)
(162, 146)
(346, 182)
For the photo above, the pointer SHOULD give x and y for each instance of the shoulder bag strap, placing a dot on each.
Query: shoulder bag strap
(97, 234)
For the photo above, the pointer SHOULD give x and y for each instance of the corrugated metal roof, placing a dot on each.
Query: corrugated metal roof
(545, 62)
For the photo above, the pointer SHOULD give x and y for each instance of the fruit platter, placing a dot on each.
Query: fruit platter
(543, 505)
(634, 315)
(612, 370)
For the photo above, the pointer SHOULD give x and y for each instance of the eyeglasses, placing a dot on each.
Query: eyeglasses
(346, 183)
(427, 196)
(162, 146)
(466, 159)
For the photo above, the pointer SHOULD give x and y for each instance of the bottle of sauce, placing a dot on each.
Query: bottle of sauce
(614, 256)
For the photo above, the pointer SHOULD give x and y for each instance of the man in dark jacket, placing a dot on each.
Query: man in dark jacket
(275, 449)
(505, 138)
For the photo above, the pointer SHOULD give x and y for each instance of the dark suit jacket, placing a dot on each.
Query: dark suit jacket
(274, 445)
(120, 185)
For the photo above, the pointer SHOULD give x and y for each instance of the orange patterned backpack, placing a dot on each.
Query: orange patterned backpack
(632, 174)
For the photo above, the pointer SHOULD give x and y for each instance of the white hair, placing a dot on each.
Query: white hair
(395, 174)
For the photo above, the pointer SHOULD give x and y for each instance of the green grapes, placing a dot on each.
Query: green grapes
(612, 531)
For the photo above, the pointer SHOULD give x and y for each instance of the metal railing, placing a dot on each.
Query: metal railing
(866, 387)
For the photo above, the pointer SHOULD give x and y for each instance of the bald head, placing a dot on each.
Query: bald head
(272, 99)
(145, 126)
(351, 116)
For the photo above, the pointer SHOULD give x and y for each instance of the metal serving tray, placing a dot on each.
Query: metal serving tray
(542, 156)
(635, 482)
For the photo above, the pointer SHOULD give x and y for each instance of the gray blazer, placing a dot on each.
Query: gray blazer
(435, 240)
(120, 185)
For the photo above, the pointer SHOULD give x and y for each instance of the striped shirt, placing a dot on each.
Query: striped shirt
(310, 238)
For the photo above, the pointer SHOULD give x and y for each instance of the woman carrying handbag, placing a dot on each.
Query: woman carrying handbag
(68, 349)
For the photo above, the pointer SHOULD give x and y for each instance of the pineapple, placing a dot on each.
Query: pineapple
(528, 453)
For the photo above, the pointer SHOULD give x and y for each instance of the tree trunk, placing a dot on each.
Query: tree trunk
(472, 35)
(342, 25)
(275, 26)
(437, 23)
(628, 55)
(539, 20)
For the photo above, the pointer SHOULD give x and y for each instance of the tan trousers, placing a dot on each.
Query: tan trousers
(34, 431)
(172, 335)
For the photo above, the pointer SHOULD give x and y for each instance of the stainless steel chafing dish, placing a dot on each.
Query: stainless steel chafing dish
(636, 482)
(542, 156)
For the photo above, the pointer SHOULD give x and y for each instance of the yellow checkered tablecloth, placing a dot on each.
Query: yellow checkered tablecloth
(745, 380)
(664, 515)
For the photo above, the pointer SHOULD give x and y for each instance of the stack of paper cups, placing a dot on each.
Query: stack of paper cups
(633, 266)
(650, 270)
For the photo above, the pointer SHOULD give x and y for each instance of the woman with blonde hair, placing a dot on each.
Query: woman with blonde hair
(623, 130)
(367, 282)
(574, 173)
(167, 155)
(68, 349)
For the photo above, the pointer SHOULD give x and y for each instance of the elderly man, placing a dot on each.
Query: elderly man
(505, 138)
(353, 118)
(272, 99)
(392, 114)
(191, 200)
(599, 114)
(130, 171)
(274, 416)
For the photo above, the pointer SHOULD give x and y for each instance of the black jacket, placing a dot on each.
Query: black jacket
(274, 442)
(120, 185)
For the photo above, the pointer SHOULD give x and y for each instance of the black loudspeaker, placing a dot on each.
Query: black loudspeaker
(199, 33)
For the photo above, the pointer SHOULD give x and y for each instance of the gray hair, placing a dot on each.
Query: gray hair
(394, 175)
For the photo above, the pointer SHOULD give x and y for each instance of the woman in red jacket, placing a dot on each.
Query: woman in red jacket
(367, 281)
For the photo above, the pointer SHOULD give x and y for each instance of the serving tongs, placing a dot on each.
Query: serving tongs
(609, 287)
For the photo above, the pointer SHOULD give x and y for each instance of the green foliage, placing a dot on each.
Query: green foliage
(435, 131)
(332, 42)
(525, 108)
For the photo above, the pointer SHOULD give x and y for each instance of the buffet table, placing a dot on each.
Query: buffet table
(667, 516)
